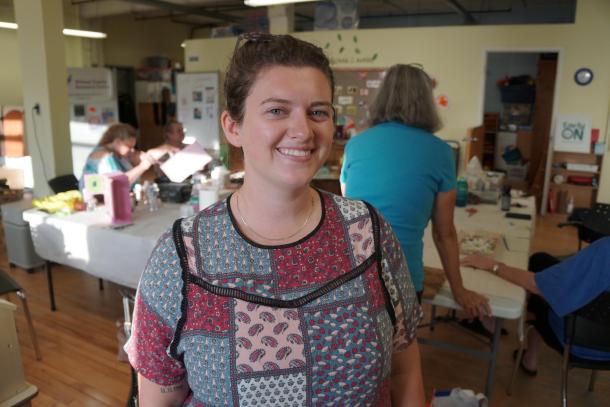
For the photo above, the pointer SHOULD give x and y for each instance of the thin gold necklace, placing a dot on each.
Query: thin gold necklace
(272, 239)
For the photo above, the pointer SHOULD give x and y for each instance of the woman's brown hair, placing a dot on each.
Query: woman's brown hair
(260, 51)
(406, 96)
(120, 131)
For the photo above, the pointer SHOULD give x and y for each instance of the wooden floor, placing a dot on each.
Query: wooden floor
(79, 345)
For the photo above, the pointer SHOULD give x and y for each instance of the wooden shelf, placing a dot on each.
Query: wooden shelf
(575, 172)
(568, 186)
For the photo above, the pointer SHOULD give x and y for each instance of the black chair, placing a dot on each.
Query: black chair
(7, 286)
(587, 327)
(63, 183)
(592, 223)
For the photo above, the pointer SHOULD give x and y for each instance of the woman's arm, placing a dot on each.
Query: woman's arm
(407, 385)
(150, 394)
(517, 276)
(446, 242)
(145, 162)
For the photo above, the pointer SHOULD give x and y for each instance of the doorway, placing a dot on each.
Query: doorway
(517, 116)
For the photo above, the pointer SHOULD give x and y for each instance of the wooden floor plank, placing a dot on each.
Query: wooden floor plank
(79, 344)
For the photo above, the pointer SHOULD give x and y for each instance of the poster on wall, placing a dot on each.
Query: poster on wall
(198, 106)
(573, 134)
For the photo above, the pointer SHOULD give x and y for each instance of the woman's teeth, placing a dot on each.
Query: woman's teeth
(295, 153)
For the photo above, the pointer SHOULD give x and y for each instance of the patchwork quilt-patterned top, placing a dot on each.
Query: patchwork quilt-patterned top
(304, 324)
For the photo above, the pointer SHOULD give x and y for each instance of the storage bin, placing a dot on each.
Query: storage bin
(517, 172)
(518, 93)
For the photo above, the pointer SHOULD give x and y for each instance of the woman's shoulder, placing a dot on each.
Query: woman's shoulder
(350, 208)
(99, 153)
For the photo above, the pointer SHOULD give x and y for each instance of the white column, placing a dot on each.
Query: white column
(281, 19)
(44, 78)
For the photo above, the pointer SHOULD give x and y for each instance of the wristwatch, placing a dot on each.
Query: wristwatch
(496, 268)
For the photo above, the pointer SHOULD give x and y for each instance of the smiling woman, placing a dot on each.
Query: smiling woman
(281, 294)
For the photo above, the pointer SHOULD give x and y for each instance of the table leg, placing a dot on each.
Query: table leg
(433, 318)
(491, 367)
(48, 267)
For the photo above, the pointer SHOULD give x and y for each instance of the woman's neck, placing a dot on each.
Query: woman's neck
(268, 216)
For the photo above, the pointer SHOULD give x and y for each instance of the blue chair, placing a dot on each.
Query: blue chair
(587, 327)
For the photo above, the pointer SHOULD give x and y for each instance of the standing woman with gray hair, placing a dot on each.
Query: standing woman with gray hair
(405, 171)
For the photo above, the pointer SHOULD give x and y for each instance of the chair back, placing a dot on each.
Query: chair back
(63, 183)
(590, 325)
(598, 219)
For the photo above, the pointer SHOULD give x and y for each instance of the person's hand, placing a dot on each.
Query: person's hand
(478, 261)
(474, 304)
(146, 160)
(157, 152)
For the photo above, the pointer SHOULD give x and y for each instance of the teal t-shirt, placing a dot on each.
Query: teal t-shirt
(104, 165)
(399, 169)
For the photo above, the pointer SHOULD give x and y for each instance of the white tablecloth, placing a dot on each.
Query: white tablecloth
(84, 240)
(507, 300)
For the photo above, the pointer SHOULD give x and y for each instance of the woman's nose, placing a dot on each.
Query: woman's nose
(300, 126)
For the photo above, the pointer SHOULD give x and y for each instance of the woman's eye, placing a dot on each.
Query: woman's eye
(320, 114)
(275, 111)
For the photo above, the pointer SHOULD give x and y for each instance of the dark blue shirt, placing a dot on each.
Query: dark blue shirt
(572, 284)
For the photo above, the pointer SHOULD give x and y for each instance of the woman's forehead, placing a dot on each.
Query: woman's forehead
(278, 80)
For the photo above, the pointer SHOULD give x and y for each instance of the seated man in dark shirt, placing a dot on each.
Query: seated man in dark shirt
(559, 288)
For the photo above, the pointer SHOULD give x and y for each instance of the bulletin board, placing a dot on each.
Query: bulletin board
(197, 98)
(355, 91)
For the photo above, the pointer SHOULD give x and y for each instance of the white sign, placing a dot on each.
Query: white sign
(573, 134)
(345, 100)
(198, 107)
(90, 83)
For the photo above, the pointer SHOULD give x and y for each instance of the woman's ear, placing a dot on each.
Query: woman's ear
(230, 128)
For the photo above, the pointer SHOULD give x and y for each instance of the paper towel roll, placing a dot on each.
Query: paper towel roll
(207, 197)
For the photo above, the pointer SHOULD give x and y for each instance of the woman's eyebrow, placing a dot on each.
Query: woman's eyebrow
(321, 103)
(276, 100)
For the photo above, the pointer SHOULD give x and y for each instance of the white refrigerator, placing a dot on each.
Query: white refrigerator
(93, 107)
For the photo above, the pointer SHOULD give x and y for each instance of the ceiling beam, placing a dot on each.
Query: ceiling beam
(165, 5)
(468, 18)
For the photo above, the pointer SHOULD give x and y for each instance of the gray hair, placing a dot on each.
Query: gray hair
(406, 96)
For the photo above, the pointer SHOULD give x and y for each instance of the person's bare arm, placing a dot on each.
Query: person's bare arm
(343, 187)
(515, 275)
(446, 242)
(145, 162)
(407, 385)
(151, 394)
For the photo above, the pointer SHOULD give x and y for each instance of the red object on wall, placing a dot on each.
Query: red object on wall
(594, 135)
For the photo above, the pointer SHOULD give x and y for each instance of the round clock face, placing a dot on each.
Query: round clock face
(583, 76)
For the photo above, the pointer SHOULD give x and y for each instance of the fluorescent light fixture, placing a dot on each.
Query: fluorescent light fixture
(84, 33)
(260, 3)
(66, 31)
(10, 26)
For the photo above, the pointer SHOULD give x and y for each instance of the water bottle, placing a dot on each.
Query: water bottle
(152, 195)
(505, 199)
(462, 192)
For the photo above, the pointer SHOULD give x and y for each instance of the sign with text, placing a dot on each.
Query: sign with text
(573, 134)
(90, 83)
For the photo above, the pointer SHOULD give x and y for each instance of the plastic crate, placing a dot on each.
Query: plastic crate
(517, 172)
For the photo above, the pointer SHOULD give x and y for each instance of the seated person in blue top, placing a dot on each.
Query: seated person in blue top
(408, 173)
(558, 289)
(113, 154)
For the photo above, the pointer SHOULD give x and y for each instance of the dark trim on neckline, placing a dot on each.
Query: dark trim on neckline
(251, 242)
(294, 303)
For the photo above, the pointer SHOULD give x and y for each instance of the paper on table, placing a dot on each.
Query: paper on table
(186, 162)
